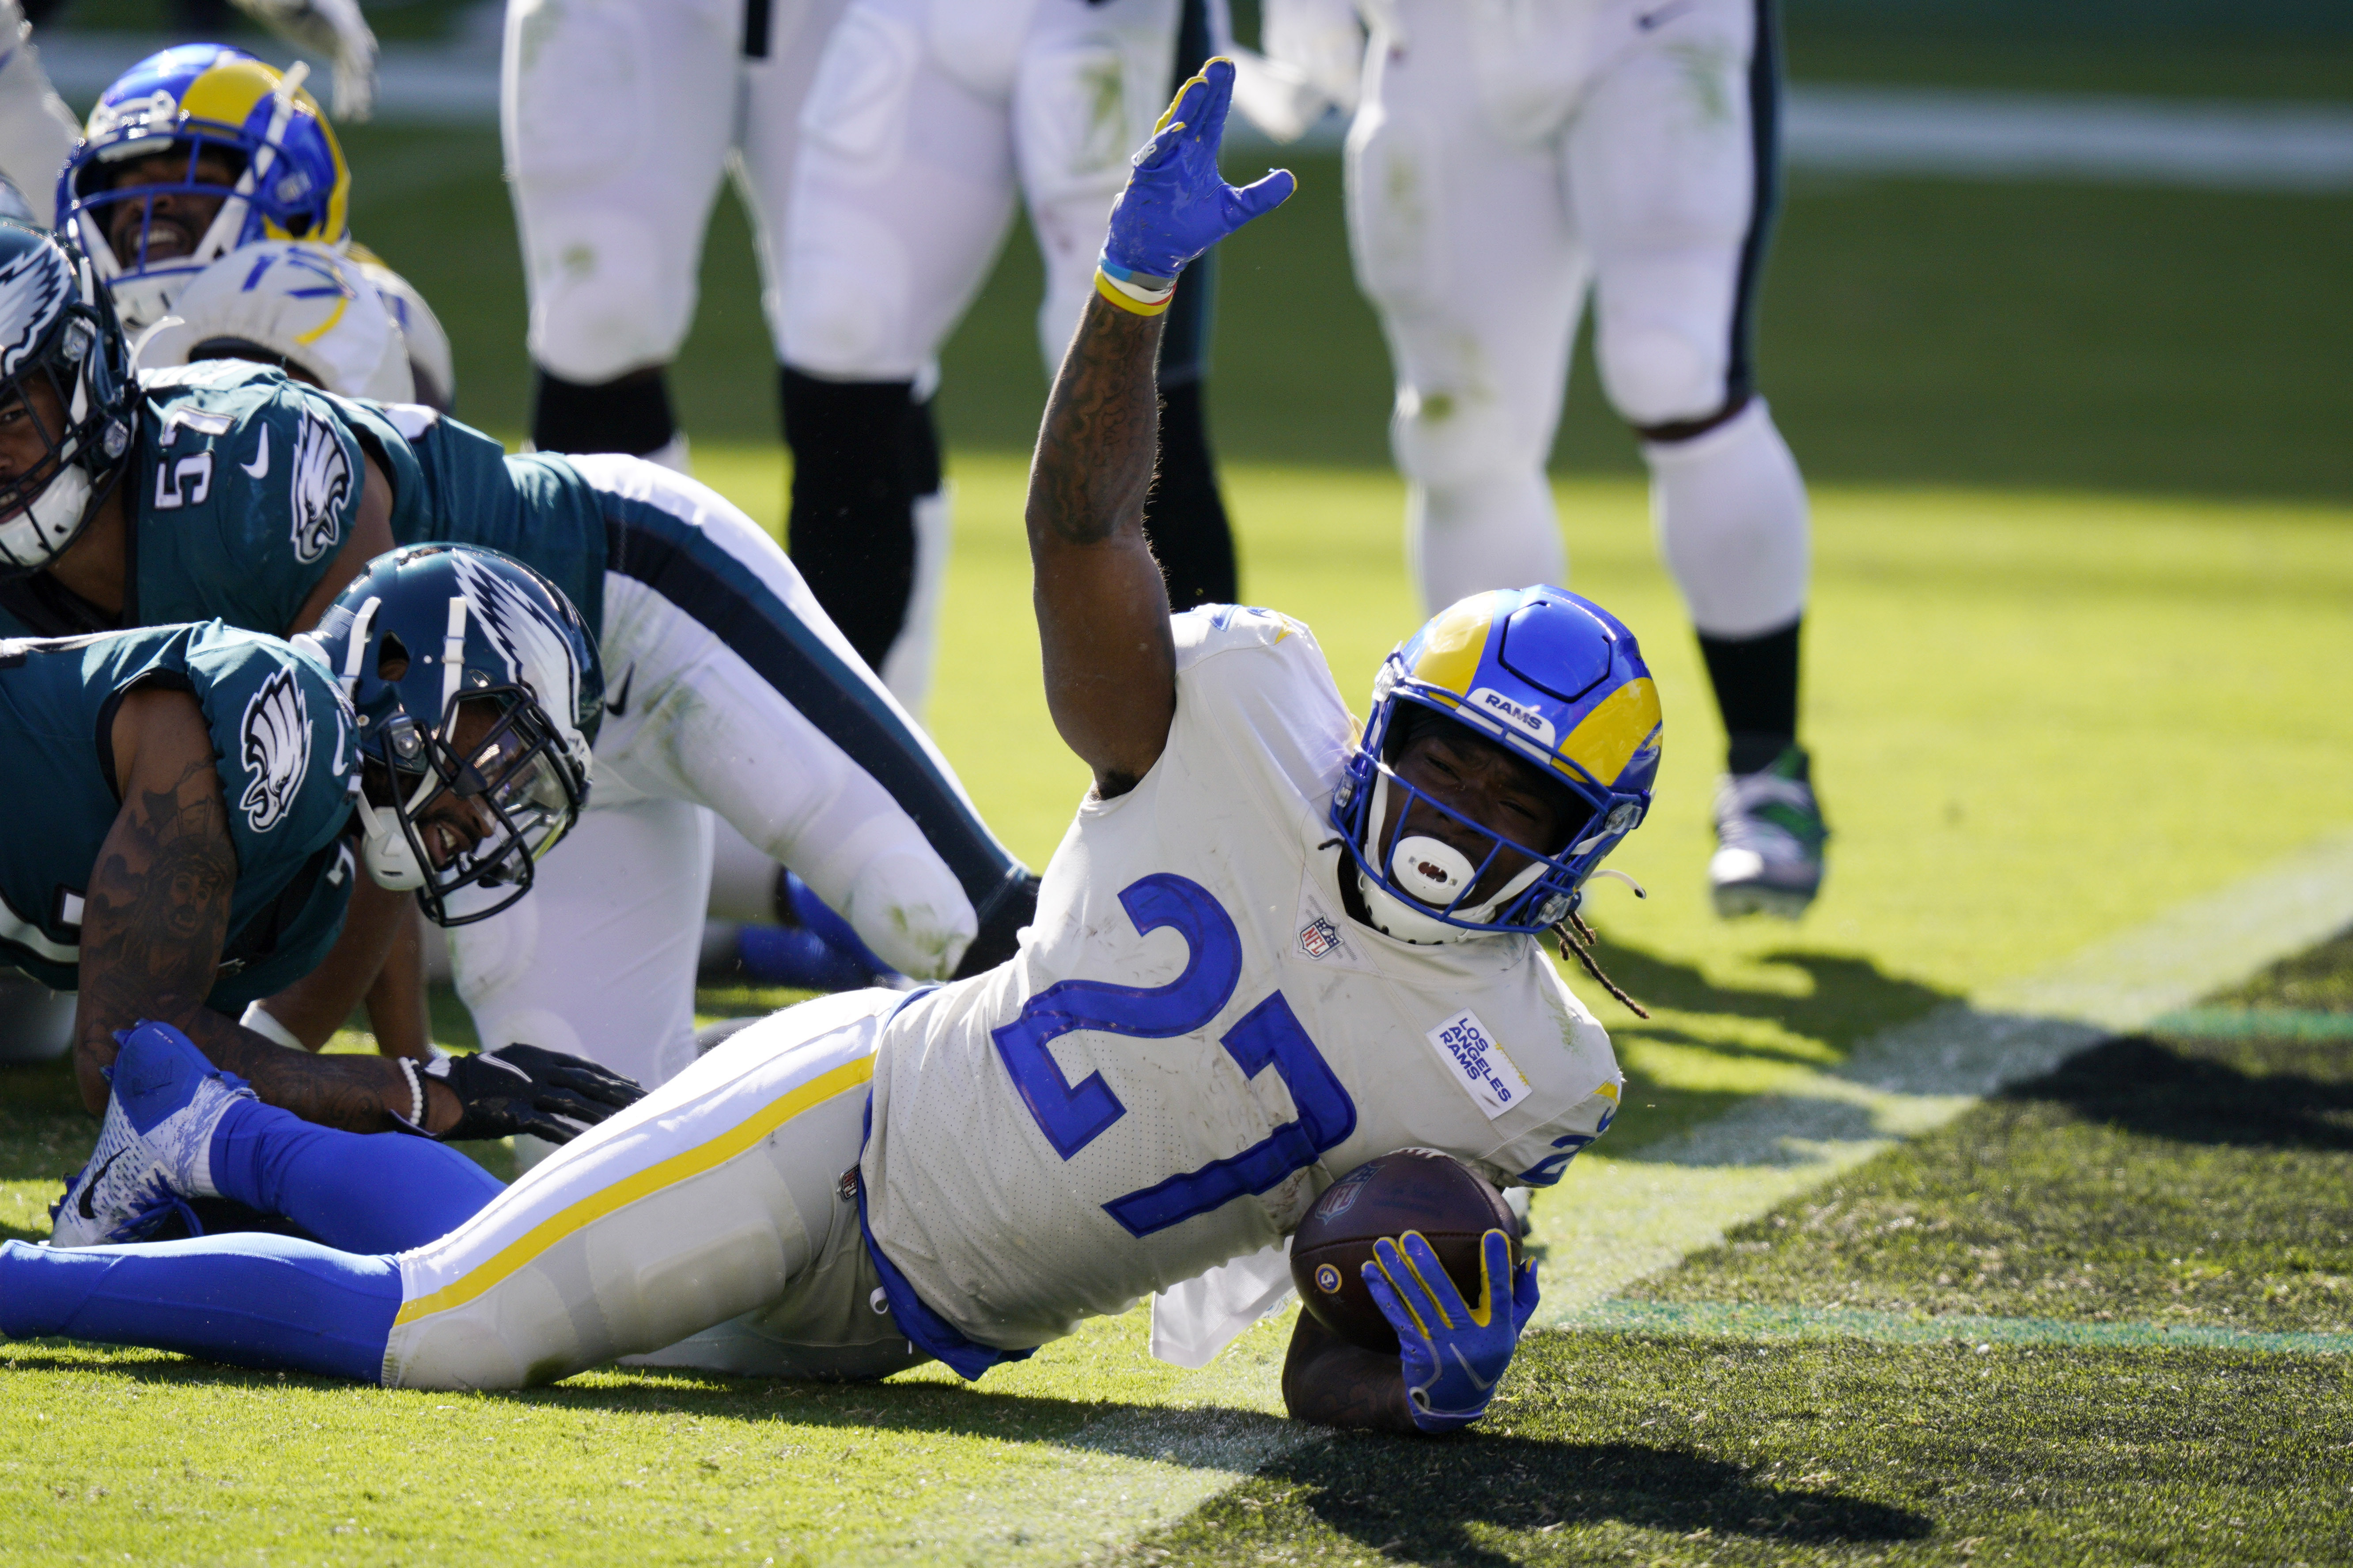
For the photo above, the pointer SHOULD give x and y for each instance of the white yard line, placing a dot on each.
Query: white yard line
(1614, 1221)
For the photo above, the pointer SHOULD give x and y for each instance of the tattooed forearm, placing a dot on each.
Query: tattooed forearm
(1335, 1384)
(155, 915)
(157, 911)
(1101, 434)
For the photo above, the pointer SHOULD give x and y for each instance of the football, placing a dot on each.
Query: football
(1414, 1189)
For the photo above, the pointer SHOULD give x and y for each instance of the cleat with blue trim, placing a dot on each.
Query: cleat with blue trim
(1769, 836)
(154, 1149)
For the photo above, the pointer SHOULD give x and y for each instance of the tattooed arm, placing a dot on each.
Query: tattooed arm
(1335, 1384)
(158, 913)
(1103, 610)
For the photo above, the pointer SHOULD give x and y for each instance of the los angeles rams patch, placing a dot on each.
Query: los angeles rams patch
(1463, 1044)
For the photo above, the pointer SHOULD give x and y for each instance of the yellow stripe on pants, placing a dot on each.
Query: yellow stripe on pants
(521, 1252)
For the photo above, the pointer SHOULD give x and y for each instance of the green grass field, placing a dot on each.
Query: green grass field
(2077, 658)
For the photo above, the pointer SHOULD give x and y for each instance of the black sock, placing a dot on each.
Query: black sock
(629, 415)
(1184, 515)
(1756, 681)
(852, 529)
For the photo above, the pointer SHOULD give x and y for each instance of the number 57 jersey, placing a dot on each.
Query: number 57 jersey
(1196, 1040)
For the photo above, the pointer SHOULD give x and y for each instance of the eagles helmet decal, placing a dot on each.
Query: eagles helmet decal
(63, 358)
(1553, 678)
(319, 487)
(274, 742)
(34, 287)
(477, 693)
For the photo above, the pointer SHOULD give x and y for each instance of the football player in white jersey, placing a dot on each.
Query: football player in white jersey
(1505, 162)
(1266, 951)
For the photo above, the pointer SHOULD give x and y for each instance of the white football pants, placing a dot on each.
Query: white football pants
(717, 1194)
(37, 131)
(709, 708)
(619, 117)
(924, 118)
(1507, 159)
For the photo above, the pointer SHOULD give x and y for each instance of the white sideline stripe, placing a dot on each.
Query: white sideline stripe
(2217, 143)
(1735, 1320)
(1614, 1221)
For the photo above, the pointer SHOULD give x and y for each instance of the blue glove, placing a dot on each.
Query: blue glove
(1452, 1355)
(1176, 204)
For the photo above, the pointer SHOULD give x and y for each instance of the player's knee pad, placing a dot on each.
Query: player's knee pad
(1657, 371)
(908, 907)
(1445, 436)
(845, 310)
(609, 295)
(1732, 518)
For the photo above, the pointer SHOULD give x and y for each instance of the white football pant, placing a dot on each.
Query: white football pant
(1505, 160)
(37, 131)
(618, 118)
(718, 1194)
(600, 959)
(925, 120)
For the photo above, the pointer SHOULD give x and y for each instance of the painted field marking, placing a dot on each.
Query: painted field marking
(1614, 1221)
(1755, 1322)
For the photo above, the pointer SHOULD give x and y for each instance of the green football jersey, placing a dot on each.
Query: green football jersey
(283, 738)
(243, 485)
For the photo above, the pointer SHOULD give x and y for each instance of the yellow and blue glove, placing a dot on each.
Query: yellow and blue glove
(1452, 1354)
(1176, 204)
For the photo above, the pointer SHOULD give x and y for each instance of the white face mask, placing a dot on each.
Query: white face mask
(1434, 872)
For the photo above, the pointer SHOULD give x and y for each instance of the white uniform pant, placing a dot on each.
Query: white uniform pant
(718, 1194)
(1508, 160)
(599, 959)
(619, 117)
(924, 118)
(37, 131)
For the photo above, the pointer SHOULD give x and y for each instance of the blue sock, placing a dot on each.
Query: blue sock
(249, 1300)
(376, 1191)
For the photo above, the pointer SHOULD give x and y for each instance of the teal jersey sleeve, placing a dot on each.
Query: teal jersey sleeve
(283, 738)
(244, 487)
(466, 490)
(289, 763)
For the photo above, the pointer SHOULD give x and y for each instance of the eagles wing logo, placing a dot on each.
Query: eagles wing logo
(32, 293)
(275, 748)
(321, 485)
(531, 642)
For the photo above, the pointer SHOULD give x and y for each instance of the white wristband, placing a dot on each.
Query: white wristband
(416, 1092)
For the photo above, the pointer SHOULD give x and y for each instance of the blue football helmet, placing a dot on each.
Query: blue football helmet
(284, 177)
(1555, 679)
(58, 336)
(478, 692)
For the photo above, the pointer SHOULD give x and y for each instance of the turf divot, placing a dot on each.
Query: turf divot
(1622, 1219)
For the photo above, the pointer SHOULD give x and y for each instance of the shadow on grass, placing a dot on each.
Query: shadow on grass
(1417, 1500)
(1382, 1490)
(2148, 1086)
(1851, 999)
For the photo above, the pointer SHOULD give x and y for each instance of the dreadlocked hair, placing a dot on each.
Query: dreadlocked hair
(1576, 939)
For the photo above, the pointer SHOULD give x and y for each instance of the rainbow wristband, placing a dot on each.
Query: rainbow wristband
(1139, 293)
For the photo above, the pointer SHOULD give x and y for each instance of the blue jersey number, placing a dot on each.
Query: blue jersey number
(1074, 1115)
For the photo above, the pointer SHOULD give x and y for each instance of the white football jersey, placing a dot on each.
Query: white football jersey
(1195, 1040)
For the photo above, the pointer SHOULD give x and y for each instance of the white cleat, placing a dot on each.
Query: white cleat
(1769, 836)
(154, 1149)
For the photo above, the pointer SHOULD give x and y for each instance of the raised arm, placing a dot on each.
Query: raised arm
(1103, 610)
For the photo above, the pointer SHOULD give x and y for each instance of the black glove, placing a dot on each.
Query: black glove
(522, 1088)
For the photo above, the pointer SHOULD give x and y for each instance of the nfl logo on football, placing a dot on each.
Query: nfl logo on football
(1318, 937)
